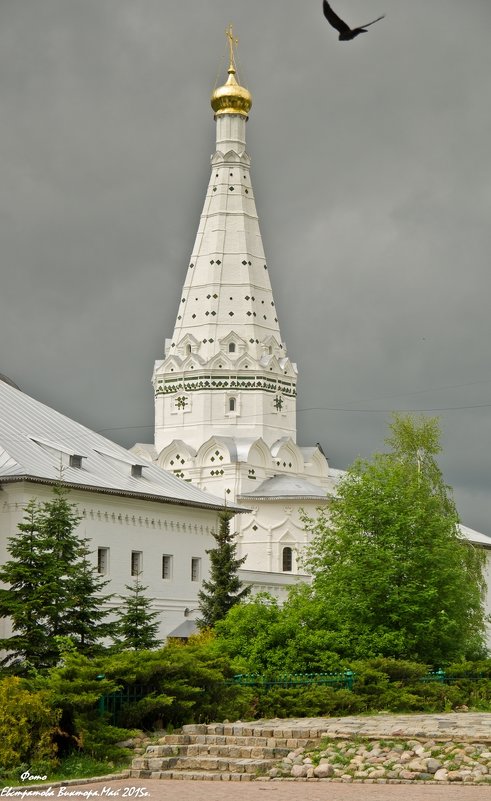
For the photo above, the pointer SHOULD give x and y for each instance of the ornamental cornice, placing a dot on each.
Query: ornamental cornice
(170, 384)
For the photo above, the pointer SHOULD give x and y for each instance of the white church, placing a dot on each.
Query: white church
(225, 423)
(225, 391)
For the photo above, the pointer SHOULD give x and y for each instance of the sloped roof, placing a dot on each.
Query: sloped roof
(475, 536)
(184, 630)
(36, 440)
(287, 486)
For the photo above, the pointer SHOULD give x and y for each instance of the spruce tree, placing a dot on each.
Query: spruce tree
(25, 597)
(52, 589)
(86, 616)
(137, 625)
(224, 589)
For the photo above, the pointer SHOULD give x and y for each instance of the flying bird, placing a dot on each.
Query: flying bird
(345, 32)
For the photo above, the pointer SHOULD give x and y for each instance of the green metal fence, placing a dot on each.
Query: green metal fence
(344, 679)
(113, 703)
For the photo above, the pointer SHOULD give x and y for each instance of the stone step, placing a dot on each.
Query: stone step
(201, 764)
(233, 751)
(251, 730)
(225, 751)
(193, 775)
(267, 742)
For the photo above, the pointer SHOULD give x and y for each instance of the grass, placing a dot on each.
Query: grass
(76, 766)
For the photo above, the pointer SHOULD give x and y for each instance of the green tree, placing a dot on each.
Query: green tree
(137, 624)
(224, 589)
(392, 574)
(86, 617)
(52, 589)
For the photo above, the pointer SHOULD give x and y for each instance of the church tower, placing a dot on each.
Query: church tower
(225, 391)
(226, 370)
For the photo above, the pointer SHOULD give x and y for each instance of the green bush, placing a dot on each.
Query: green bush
(310, 701)
(28, 723)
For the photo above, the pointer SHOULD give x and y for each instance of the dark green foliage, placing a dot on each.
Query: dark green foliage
(380, 685)
(86, 615)
(26, 596)
(52, 586)
(185, 684)
(137, 624)
(391, 572)
(224, 588)
(306, 702)
(75, 687)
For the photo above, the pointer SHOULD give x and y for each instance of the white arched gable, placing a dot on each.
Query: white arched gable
(177, 456)
(259, 454)
(193, 362)
(270, 363)
(287, 456)
(287, 367)
(188, 344)
(146, 452)
(271, 344)
(245, 362)
(221, 360)
(318, 464)
(255, 529)
(216, 451)
(233, 339)
(172, 362)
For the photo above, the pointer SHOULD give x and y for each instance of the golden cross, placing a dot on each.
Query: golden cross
(231, 42)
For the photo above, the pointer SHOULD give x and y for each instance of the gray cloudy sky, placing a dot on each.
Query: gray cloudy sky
(371, 169)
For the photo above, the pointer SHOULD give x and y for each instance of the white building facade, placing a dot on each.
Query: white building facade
(139, 520)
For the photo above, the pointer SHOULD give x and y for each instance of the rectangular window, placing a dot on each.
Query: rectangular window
(167, 567)
(195, 568)
(103, 561)
(136, 563)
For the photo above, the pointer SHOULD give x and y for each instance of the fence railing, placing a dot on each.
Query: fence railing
(344, 679)
(112, 703)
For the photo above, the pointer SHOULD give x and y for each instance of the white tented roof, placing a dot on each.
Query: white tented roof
(37, 444)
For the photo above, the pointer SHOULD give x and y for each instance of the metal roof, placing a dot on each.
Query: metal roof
(287, 486)
(36, 443)
(475, 536)
(184, 630)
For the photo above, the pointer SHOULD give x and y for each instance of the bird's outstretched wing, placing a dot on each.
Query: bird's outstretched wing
(334, 20)
(372, 22)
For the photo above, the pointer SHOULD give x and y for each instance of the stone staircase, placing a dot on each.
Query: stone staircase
(220, 752)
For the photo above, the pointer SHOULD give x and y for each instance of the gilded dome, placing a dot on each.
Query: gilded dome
(231, 98)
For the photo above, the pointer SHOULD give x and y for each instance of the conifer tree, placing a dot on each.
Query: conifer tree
(224, 589)
(24, 598)
(52, 589)
(137, 625)
(86, 619)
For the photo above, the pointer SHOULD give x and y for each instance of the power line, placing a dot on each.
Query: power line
(333, 409)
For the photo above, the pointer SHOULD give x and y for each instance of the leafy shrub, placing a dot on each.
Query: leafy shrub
(27, 725)
(310, 701)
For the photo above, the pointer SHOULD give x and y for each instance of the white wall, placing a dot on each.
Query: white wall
(123, 525)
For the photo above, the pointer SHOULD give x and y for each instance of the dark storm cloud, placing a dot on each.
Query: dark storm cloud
(371, 170)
